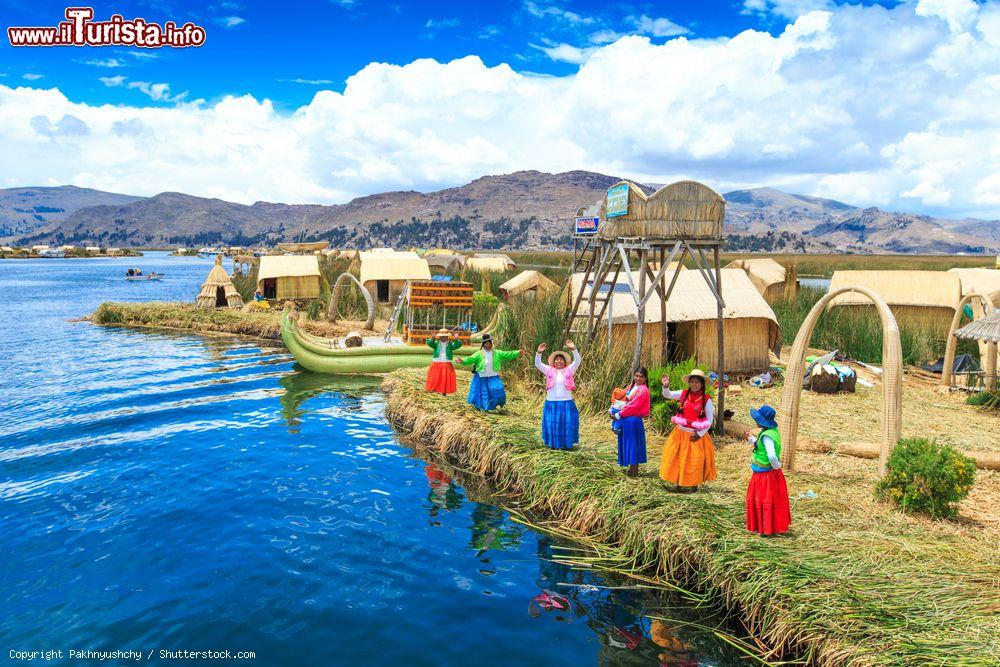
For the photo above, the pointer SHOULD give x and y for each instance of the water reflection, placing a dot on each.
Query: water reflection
(444, 494)
(302, 385)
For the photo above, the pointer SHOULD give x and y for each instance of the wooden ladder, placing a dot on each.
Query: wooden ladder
(589, 260)
(396, 311)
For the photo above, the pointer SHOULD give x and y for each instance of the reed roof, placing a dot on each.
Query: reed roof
(525, 281)
(217, 277)
(930, 289)
(979, 281)
(447, 262)
(691, 299)
(686, 209)
(763, 271)
(490, 262)
(287, 266)
(985, 329)
(387, 264)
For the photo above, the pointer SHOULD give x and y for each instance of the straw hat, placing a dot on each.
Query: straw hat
(559, 353)
(442, 332)
(696, 373)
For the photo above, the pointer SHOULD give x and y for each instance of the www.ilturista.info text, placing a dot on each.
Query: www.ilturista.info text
(79, 29)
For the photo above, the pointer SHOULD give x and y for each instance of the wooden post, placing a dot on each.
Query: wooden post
(641, 313)
(664, 329)
(721, 370)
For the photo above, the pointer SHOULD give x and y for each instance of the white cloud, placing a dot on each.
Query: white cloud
(659, 27)
(104, 62)
(787, 9)
(308, 82)
(566, 53)
(158, 92)
(230, 21)
(958, 14)
(112, 81)
(868, 105)
(32, 77)
(442, 23)
(545, 11)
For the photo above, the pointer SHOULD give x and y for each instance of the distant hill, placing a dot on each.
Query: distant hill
(24, 210)
(525, 209)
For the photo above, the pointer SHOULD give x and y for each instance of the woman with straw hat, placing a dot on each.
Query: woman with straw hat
(441, 374)
(689, 455)
(560, 418)
(632, 434)
(768, 512)
(486, 391)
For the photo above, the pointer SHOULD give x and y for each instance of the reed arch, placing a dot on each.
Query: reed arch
(989, 364)
(331, 313)
(892, 377)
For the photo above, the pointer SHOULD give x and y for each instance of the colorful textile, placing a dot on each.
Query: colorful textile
(631, 441)
(686, 462)
(560, 424)
(760, 457)
(440, 378)
(449, 347)
(638, 402)
(487, 393)
(768, 512)
(478, 362)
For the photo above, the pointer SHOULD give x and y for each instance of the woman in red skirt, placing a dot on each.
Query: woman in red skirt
(768, 512)
(441, 374)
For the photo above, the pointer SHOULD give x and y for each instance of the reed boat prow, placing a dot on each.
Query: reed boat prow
(375, 355)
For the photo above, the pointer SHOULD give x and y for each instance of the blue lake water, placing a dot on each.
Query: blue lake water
(176, 492)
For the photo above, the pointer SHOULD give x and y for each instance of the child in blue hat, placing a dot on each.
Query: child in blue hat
(768, 511)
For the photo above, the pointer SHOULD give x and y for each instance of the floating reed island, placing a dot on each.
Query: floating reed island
(855, 582)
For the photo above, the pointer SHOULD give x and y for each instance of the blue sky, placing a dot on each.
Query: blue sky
(891, 104)
(285, 51)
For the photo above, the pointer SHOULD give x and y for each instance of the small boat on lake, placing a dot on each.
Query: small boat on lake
(52, 252)
(209, 253)
(136, 275)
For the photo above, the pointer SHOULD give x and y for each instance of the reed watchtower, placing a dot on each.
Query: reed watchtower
(657, 232)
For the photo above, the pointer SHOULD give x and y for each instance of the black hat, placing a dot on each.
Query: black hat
(486, 339)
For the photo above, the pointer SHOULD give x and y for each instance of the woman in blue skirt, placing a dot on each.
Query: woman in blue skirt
(560, 418)
(632, 434)
(486, 390)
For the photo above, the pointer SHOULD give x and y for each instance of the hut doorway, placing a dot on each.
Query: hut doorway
(270, 288)
(220, 297)
(382, 291)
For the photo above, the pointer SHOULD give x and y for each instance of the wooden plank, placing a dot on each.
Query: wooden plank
(641, 314)
(721, 396)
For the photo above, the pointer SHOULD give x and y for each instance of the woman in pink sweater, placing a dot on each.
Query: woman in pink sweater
(632, 434)
(560, 418)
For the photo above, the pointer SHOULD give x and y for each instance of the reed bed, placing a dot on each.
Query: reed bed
(185, 316)
(855, 582)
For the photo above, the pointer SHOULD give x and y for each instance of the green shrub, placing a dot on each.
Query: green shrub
(316, 310)
(985, 399)
(483, 307)
(927, 477)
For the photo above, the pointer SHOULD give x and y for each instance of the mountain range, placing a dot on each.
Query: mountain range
(522, 210)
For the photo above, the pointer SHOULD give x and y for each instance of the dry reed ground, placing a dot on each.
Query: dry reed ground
(855, 581)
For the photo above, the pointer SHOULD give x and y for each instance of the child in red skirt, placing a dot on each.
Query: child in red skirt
(768, 512)
(441, 374)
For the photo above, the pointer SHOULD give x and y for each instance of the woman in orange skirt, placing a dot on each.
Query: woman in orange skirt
(689, 455)
(441, 374)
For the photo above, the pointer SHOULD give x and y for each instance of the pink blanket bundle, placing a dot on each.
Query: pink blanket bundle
(697, 425)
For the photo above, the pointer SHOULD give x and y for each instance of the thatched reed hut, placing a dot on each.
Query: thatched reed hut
(495, 262)
(923, 300)
(686, 209)
(527, 284)
(218, 291)
(750, 328)
(445, 264)
(289, 277)
(384, 272)
(768, 276)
